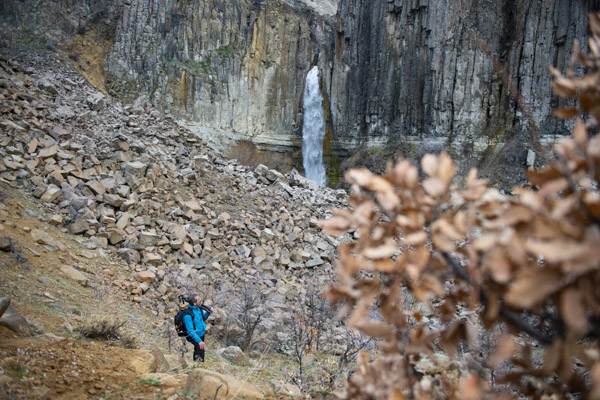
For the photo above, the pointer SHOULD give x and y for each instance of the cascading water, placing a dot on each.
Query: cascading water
(313, 129)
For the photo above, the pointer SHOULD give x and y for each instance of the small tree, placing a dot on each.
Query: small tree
(249, 308)
(301, 339)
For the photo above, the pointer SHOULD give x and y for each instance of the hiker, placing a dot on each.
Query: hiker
(195, 325)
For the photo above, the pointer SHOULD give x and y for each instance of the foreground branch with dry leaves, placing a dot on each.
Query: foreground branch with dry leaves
(525, 266)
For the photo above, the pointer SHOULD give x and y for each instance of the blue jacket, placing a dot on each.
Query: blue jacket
(199, 317)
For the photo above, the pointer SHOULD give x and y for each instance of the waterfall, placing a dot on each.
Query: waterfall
(313, 129)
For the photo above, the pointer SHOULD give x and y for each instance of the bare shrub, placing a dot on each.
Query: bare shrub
(107, 329)
(475, 258)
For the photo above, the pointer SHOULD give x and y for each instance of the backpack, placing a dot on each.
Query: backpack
(179, 325)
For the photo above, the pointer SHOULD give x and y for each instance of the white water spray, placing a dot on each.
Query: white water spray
(313, 129)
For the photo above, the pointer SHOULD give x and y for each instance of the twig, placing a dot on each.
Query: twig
(507, 314)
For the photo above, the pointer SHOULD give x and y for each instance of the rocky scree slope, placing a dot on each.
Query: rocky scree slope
(139, 187)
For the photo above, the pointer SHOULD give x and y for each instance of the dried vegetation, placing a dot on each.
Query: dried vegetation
(525, 266)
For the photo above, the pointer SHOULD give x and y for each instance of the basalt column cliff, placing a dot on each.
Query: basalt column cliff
(398, 76)
(236, 68)
(468, 76)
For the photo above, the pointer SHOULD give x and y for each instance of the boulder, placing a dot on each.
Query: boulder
(79, 227)
(41, 237)
(5, 244)
(204, 385)
(235, 355)
(74, 274)
(145, 276)
(12, 320)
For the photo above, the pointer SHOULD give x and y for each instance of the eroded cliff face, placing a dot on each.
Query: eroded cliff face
(399, 76)
(230, 70)
(467, 76)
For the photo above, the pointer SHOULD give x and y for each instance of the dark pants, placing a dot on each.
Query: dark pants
(198, 354)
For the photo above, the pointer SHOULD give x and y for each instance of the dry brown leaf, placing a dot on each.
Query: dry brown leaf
(442, 242)
(580, 134)
(452, 337)
(359, 176)
(419, 237)
(379, 184)
(385, 250)
(429, 163)
(486, 242)
(335, 225)
(495, 261)
(592, 203)
(530, 199)
(532, 287)
(552, 356)
(396, 394)
(566, 112)
(471, 388)
(460, 223)
(573, 311)
(374, 328)
(564, 206)
(593, 149)
(505, 348)
(512, 216)
(446, 168)
(564, 87)
(443, 226)
(434, 187)
(557, 251)
(385, 266)
(388, 200)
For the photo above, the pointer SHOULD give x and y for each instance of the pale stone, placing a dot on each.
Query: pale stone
(203, 384)
(50, 194)
(145, 276)
(74, 274)
(41, 237)
(235, 355)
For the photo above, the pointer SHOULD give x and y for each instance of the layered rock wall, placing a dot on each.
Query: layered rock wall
(468, 75)
(235, 68)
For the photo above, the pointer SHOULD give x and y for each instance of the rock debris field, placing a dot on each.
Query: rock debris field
(152, 211)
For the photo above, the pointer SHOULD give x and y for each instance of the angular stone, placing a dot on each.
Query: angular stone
(97, 187)
(123, 220)
(235, 355)
(176, 244)
(79, 227)
(41, 237)
(193, 205)
(74, 274)
(152, 259)
(48, 152)
(113, 200)
(135, 168)
(50, 194)
(131, 256)
(148, 238)
(314, 262)
(5, 244)
(56, 220)
(203, 384)
(145, 276)
(116, 236)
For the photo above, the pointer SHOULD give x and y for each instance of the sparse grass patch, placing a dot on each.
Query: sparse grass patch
(14, 368)
(149, 382)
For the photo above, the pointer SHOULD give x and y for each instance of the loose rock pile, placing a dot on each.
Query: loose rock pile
(142, 188)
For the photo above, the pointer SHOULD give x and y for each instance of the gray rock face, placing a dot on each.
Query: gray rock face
(239, 69)
(414, 76)
(426, 75)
